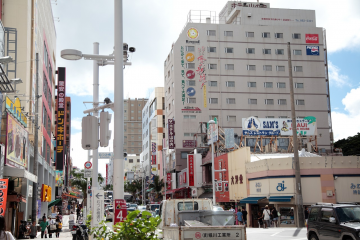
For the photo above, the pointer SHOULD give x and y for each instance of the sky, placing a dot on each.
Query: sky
(152, 26)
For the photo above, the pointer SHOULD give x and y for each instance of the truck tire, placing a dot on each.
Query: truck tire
(313, 237)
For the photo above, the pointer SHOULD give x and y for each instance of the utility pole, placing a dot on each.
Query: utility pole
(299, 199)
(35, 171)
(95, 161)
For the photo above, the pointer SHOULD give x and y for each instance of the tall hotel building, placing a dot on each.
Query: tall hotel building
(235, 65)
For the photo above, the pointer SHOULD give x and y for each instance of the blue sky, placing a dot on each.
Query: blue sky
(152, 26)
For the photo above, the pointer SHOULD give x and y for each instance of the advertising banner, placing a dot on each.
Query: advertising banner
(58, 178)
(168, 181)
(191, 167)
(189, 143)
(4, 183)
(312, 50)
(120, 211)
(312, 38)
(171, 133)
(60, 151)
(17, 144)
(153, 159)
(15, 110)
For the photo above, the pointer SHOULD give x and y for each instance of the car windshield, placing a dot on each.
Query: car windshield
(215, 208)
(142, 208)
(348, 214)
(133, 205)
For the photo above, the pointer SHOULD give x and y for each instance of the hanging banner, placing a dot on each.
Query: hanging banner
(4, 183)
(168, 181)
(60, 151)
(171, 133)
(191, 168)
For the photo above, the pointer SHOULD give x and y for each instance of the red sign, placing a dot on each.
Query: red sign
(153, 159)
(312, 38)
(190, 74)
(191, 168)
(4, 183)
(120, 212)
(87, 165)
(168, 181)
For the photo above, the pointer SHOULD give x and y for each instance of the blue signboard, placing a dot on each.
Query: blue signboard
(190, 91)
(312, 50)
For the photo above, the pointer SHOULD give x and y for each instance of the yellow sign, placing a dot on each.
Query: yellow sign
(190, 57)
(193, 33)
(15, 110)
(205, 99)
(153, 169)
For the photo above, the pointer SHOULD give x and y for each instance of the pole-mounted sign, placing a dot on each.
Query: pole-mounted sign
(88, 165)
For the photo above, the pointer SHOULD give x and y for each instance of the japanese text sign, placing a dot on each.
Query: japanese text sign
(191, 168)
(168, 181)
(60, 133)
(4, 183)
(120, 212)
(171, 133)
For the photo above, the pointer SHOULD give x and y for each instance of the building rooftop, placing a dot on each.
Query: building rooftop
(302, 153)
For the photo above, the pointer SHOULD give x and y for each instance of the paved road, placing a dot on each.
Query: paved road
(276, 233)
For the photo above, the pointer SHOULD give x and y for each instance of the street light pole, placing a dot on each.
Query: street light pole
(212, 160)
(95, 183)
(164, 173)
(118, 175)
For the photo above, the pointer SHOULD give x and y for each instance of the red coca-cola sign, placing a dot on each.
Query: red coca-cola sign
(190, 74)
(312, 38)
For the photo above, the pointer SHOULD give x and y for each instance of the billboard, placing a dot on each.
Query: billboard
(17, 144)
(58, 178)
(312, 38)
(15, 110)
(312, 50)
(253, 126)
(60, 133)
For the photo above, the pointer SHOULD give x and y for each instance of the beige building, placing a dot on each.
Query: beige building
(132, 125)
(235, 65)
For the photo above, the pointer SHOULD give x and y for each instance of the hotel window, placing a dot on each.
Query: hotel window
(211, 32)
(191, 100)
(299, 85)
(230, 83)
(212, 117)
(279, 35)
(300, 102)
(212, 66)
(192, 116)
(230, 100)
(281, 85)
(190, 82)
(267, 68)
(250, 50)
(213, 100)
(269, 101)
(280, 68)
(297, 52)
(266, 35)
(186, 116)
(279, 51)
(296, 36)
(231, 118)
(229, 66)
(251, 84)
(229, 50)
(190, 65)
(268, 84)
(298, 68)
(266, 51)
(250, 34)
(282, 101)
(251, 67)
(212, 49)
(228, 33)
(213, 83)
(190, 48)
(252, 101)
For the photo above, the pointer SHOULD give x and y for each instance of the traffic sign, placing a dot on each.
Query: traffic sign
(120, 212)
(105, 155)
(98, 206)
(87, 173)
(88, 165)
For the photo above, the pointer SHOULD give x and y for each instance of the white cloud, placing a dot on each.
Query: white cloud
(352, 102)
(335, 77)
(76, 123)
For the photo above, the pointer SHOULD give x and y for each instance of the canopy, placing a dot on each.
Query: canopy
(54, 202)
(251, 200)
(280, 198)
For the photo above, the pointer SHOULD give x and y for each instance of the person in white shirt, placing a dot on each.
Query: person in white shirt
(266, 216)
(71, 219)
(50, 222)
(4, 235)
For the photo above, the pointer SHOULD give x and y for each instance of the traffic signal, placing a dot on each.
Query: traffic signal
(44, 193)
(90, 133)
(105, 133)
(89, 189)
(226, 186)
(48, 194)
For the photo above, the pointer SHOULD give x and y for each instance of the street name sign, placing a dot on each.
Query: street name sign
(120, 211)
(105, 155)
(98, 207)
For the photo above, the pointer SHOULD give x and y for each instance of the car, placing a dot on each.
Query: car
(154, 206)
(217, 208)
(141, 208)
(127, 205)
(109, 213)
(133, 205)
(334, 221)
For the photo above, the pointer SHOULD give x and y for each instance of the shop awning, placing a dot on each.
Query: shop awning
(54, 202)
(174, 190)
(68, 195)
(251, 200)
(280, 198)
(20, 173)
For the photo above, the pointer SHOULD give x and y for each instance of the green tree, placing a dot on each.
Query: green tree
(133, 187)
(350, 146)
(157, 186)
(108, 187)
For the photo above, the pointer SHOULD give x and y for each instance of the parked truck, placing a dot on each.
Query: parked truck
(194, 219)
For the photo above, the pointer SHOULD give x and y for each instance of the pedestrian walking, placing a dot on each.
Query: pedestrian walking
(51, 222)
(4, 235)
(274, 214)
(233, 210)
(266, 216)
(260, 220)
(71, 219)
(43, 225)
(306, 214)
(78, 212)
(58, 226)
(244, 213)
(33, 230)
(239, 217)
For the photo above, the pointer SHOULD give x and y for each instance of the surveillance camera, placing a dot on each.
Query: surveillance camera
(125, 46)
(132, 49)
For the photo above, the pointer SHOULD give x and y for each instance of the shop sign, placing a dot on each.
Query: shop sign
(183, 91)
(60, 151)
(182, 74)
(192, 33)
(355, 188)
(191, 110)
(204, 95)
(194, 192)
(153, 148)
(15, 110)
(190, 74)
(189, 143)
(312, 38)
(258, 187)
(153, 159)
(190, 57)
(201, 68)
(312, 50)
(239, 179)
(171, 133)
(120, 211)
(17, 144)
(190, 91)
(4, 183)
(153, 169)
(191, 168)
(168, 181)
(58, 178)
(281, 186)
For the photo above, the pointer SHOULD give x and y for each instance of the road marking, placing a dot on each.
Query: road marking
(276, 233)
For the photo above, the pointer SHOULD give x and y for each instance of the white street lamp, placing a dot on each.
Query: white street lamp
(212, 161)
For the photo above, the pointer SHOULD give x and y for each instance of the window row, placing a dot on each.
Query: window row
(254, 101)
(252, 34)
(250, 84)
(249, 67)
(266, 51)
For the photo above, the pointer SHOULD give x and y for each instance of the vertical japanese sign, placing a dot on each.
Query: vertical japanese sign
(107, 173)
(60, 151)
(191, 168)
(182, 75)
(171, 133)
(168, 181)
(205, 98)
(153, 159)
(120, 212)
(4, 183)
(201, 69)
(98, 207)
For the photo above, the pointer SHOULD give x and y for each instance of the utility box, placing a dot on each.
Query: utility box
(90, 133)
